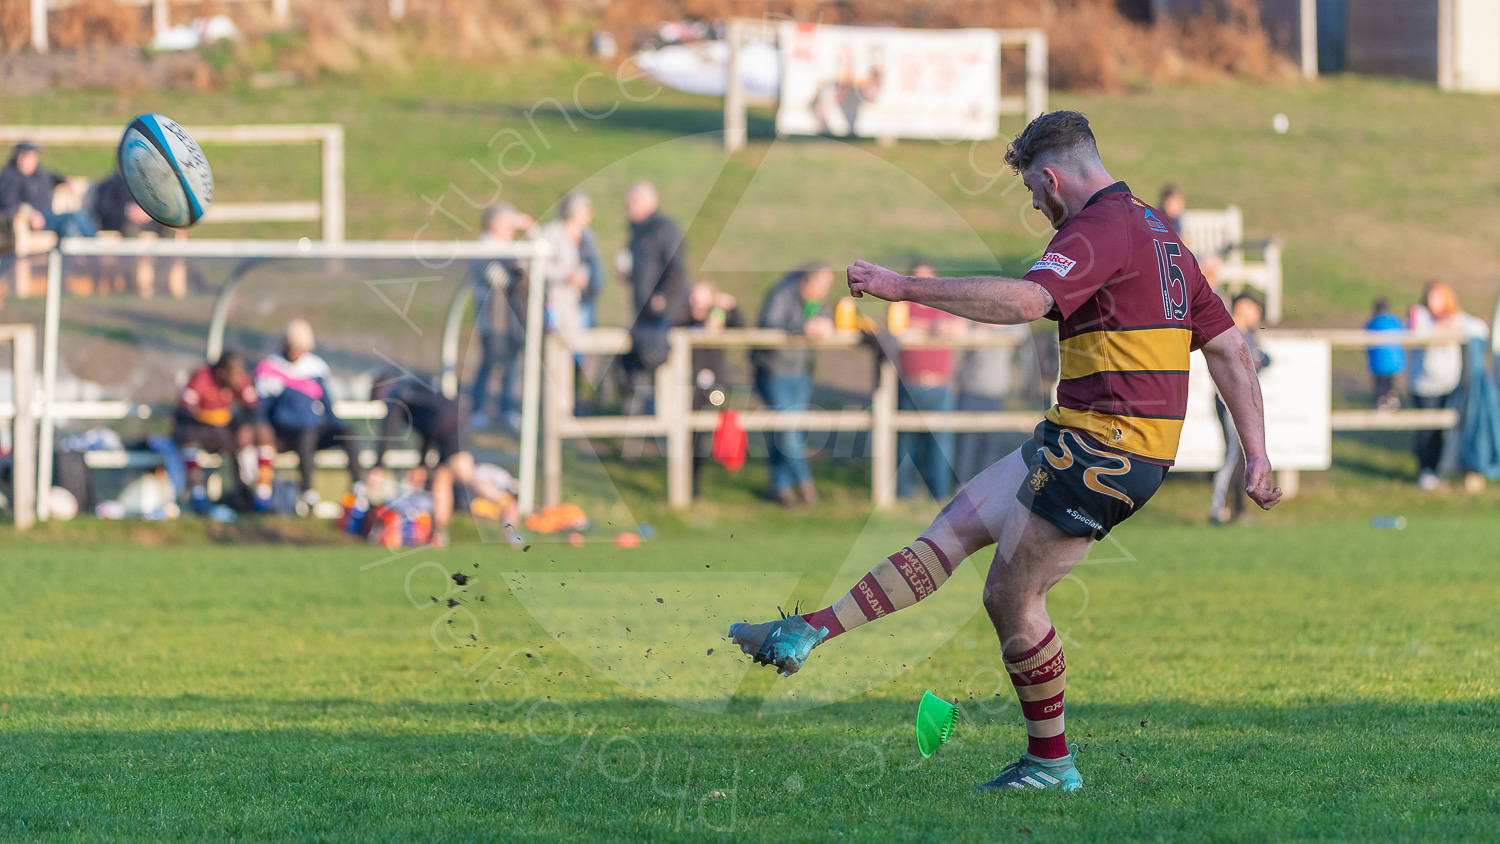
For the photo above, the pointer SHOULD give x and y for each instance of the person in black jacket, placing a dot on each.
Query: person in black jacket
(657, 273)
(24, 181)
(655, 269)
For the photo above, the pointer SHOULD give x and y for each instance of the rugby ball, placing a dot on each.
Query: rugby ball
(165, 171)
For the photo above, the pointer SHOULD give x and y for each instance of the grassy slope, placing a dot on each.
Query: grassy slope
(1318, 680)
(1377, 186)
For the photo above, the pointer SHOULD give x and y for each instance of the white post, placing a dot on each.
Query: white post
(1036, 74)
(49, 385)
(161, 20)
(734, 92)
(679, 419)
(39, 25)
(23, 426)
(333, 184)
(1310, 39)
(883, 437)
(1447, 76)
(531, 376)
(281, 11)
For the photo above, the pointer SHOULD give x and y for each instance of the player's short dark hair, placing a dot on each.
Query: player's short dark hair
(1051, 134)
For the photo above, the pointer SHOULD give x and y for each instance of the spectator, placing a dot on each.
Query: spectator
(23, 181)
(412, 406)
(983, 379)
(655, 268)
(1173, 203)
(783, 377)
(1386, 362)
(593, 265)
(658, 264)
(116, 210)
(709, 310)
(294, 402)
(927, 386)
(216, 413)
(567, 277)
(1437, 370)
(500, 288)
(1229, 482)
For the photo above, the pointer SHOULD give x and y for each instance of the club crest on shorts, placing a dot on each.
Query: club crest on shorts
(1039, 479)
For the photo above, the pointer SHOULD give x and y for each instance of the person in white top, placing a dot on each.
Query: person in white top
(567, 277)
(1437, 370)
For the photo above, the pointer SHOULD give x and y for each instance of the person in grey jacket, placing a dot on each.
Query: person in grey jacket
(783, 377)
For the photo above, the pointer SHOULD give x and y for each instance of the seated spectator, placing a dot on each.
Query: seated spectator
(1173, 204)
(415, 407)
(1437, 371)
(292, 388)
(783, 377)
(115, 210)
(500, 290)
(24, 181)
(1386, 362)
(216, 413)
(926, 385)
(709, 310)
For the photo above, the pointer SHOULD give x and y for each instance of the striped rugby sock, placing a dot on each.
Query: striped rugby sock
(1040, 675)
(897, 582)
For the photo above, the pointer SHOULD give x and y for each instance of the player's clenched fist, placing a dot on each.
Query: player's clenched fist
(865, 277)
(1260, 483)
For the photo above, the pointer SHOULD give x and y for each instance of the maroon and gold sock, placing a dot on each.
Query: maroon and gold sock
(897, 582)
(1040, 675)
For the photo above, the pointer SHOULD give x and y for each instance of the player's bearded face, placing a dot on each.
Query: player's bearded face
(1044, 197)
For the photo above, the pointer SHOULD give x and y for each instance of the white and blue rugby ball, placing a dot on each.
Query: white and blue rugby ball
(166, 171)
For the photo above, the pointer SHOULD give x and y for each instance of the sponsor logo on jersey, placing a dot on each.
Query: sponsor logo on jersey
(1155, 222)
(1056, 262)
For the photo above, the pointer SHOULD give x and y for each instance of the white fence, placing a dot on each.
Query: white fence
(676, 421)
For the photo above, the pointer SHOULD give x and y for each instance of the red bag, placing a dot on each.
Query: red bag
(730, 442)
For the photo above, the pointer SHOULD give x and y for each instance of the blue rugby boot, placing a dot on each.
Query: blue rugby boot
(1033, 772)
(784, 643)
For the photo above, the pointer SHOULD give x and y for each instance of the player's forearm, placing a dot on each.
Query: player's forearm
(998, 301)
(1233, 371)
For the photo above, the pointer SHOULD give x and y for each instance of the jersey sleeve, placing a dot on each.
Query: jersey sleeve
(1085, 254)
(1206, 312)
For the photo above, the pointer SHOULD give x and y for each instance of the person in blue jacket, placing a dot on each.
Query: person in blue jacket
(295, 403)
(1386, 362)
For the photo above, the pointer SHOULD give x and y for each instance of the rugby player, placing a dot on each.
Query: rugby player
(1131, 303)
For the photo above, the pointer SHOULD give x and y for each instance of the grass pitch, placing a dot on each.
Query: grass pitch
(1285, 679)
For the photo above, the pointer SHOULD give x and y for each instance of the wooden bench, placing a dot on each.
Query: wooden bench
(1221, 233)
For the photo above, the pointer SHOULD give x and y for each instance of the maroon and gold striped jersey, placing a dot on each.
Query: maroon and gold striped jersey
(1131, 304)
